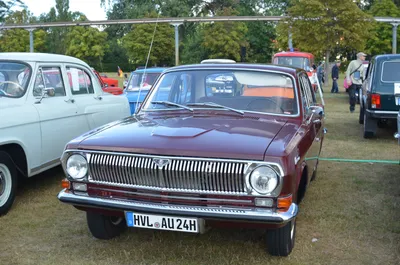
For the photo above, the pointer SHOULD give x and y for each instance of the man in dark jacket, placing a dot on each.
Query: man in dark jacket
(335, 77)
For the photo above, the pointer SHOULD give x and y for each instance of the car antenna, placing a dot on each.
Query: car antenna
(147, 61)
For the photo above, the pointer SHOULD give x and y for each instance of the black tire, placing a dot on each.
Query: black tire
(103, 226)
(361, 117)
(280, 241)
(8, 182)
(370, 125)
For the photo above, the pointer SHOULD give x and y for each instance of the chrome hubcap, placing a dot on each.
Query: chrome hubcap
(292, 230)
(116, 220)
(5, 184)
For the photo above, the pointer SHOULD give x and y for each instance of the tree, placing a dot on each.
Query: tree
(17, 40)
(380, 40)
(5, 7)
(86, 43)
(138, 41)
(320, 26)
(225, 39)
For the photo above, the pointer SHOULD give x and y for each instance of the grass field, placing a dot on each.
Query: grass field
(352, 210)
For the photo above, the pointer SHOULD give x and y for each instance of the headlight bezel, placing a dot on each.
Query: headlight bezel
(276, 168)
(64, 161)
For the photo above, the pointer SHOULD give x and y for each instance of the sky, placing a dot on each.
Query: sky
(91, 8)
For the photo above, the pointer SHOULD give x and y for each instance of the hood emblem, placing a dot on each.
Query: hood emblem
(161, 162)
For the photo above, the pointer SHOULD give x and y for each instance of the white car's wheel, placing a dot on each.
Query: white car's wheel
(8, 182)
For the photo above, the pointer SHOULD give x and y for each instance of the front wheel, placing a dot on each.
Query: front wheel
(8, 182)
(103, 226)
(280, 242)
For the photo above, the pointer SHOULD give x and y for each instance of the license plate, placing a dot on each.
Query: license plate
(161, 222)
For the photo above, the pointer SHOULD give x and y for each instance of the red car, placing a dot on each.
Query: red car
(193, 157)
(109, 85)
(303, 60)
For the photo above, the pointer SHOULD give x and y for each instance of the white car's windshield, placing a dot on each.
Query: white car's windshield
(136, 79)
(14, 79)
(240, 91)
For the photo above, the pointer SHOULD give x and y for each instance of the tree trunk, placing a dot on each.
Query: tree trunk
(327, 79)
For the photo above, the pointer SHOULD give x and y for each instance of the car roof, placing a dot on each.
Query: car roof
(40, 57)
(381, 57)
(296, 53)
(151, 70)
(246, 66)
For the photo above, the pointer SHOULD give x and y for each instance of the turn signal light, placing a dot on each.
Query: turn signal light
(375, 101)
(65, 183)
(285, 202)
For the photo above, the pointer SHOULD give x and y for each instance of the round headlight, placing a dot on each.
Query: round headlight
(263, 179)
(77, 166)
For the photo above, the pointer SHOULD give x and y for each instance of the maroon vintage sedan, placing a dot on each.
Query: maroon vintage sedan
(232, 144)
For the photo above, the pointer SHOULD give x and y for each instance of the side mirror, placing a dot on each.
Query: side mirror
(45, 92)
(50, 91)
(319, 111)
(126, 76)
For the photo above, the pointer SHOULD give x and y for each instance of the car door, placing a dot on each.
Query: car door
(98, 108)
(59, 122)
(312, 123)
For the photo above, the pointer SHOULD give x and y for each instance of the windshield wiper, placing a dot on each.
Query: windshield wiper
(169, 103)
(211, 104)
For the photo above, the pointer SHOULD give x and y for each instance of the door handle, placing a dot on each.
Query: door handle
(98, 98)
(70, 100)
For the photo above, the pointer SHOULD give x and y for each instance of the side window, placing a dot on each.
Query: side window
(309, 89)
(49, 77)
(79, 81)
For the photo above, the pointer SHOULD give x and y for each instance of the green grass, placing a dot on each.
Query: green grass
(352, 209)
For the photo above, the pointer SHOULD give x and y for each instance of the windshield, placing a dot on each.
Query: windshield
(253, 91)
(136, 78)
(390, 72)
(14, 79)
(298, 62)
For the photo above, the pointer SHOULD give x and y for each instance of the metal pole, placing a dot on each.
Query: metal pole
(394, 38)
(290, 39)
(176, 25)
(30, 40)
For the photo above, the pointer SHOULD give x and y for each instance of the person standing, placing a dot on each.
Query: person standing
(354, 74)
(335, 77)
(320, 74)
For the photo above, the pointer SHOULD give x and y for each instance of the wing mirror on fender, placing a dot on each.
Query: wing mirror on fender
(317, 110)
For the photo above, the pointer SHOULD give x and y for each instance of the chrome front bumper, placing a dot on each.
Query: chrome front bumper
(219, 213)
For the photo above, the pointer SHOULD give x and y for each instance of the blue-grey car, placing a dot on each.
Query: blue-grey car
(137, 92)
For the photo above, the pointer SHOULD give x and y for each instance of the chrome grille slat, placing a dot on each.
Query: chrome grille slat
(183, 175)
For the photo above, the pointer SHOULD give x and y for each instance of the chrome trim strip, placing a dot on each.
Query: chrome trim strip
(383, 111)
(45, 165)
(227, 213)
(172, 197)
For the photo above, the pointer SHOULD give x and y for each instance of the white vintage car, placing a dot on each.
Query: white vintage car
(46, 100)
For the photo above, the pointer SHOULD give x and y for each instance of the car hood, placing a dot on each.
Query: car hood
(205, 136)
(133, 95)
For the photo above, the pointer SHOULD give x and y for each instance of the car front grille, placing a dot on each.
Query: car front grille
(172, 174)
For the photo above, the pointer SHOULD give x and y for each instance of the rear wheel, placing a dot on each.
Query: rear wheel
(103, 226)
(370, 125)
(361, 117)
(280, 242)
(8, 182)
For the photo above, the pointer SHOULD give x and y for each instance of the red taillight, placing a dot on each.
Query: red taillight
(375, 101)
